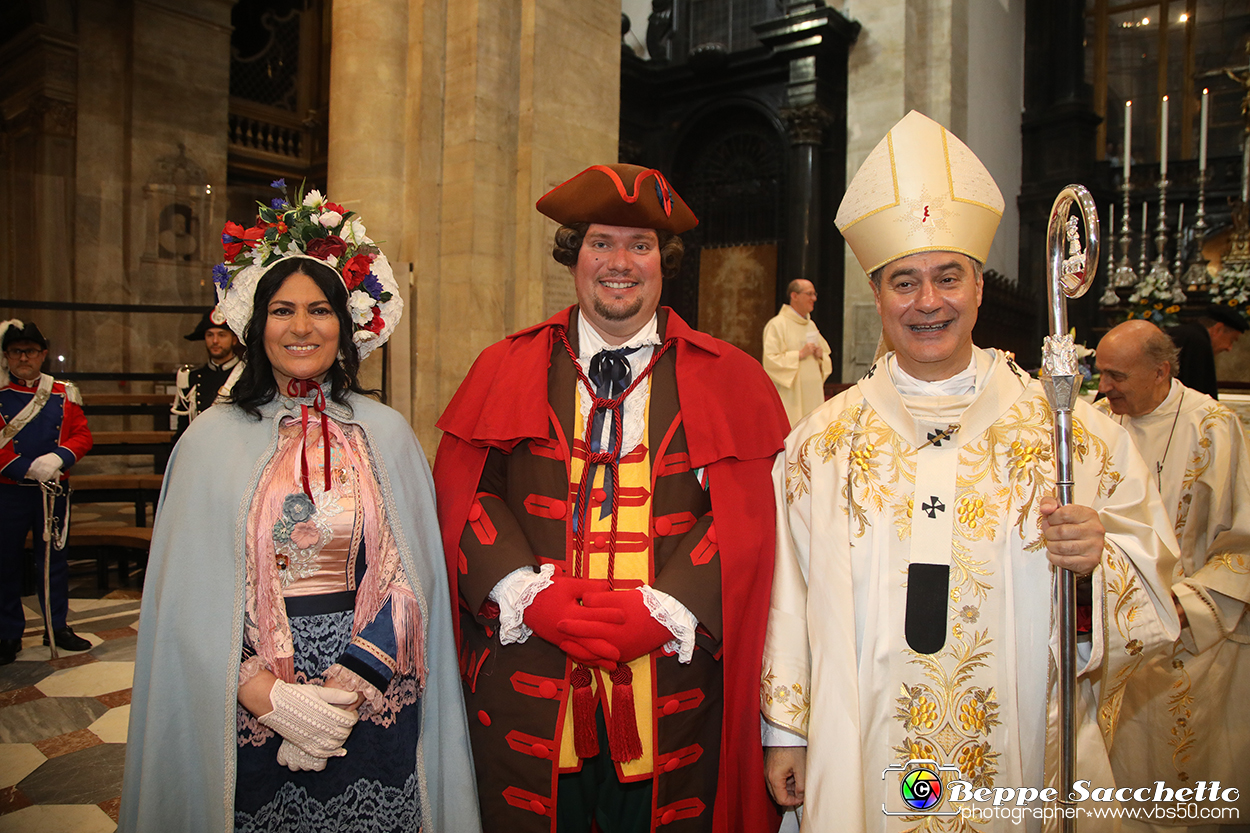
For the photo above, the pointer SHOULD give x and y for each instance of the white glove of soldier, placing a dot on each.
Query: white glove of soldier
(45, 467)
(297, 760)
(308, 716)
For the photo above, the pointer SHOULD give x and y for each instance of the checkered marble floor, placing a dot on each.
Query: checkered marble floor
(63, 721)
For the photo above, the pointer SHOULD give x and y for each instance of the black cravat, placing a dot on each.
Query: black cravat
(611, 375)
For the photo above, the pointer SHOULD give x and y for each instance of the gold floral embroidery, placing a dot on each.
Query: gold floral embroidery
(1234, 562)
(1180, 699)
(823, 444)
(793, 701)
(1199, 462)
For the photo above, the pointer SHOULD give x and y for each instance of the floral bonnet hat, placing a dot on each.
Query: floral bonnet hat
(310, 227)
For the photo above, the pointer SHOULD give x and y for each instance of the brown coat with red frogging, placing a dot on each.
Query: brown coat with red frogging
(503, 480)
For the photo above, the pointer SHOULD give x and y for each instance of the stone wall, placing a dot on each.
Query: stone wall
(485, 105)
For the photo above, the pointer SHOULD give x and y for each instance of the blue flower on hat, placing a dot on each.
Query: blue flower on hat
(221, 275)
(280, 184)
(372, 285)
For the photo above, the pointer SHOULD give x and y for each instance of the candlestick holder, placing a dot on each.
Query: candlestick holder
(1160, 275)
(1142, 271)
(1197, 278)
(1109, 297)
(1123, 278)
(1178, 252)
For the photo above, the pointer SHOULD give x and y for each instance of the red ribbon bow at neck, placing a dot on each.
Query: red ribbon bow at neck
(303, 388)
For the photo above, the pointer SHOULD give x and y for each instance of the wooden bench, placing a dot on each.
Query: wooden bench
(155, 405)
(139, 489)
(108, 544)
(116, 541)
(156, 443)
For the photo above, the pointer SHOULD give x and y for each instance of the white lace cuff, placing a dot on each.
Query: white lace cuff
(513, 594)
(673, 615)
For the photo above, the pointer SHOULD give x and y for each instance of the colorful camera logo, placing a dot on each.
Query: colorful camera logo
(921, 788)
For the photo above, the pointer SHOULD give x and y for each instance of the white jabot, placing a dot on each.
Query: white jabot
(590, 342)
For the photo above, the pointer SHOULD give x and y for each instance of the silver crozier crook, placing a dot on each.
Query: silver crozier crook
(1071, 273)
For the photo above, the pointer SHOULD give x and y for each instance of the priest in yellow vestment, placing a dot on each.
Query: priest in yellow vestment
(918, 539)
(1183, 713)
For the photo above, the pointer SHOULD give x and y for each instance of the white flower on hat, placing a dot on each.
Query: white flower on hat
(330, 219)
(260, 251)
(361, 305)
(313, 199)
(353, 231)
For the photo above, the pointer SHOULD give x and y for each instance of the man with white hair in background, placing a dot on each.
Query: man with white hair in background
(918, 538)
(1181, 715)
(796, 355)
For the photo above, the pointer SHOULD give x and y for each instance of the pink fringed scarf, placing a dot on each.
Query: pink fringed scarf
(267, 625)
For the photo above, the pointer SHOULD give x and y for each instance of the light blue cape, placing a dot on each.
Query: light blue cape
(181, 749)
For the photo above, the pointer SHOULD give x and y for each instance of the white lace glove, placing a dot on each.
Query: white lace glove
(45, 467)
(308, 716)
(297, 760)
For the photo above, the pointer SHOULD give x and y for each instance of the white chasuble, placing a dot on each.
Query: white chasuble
(866, 491)
(800, 382)
(1183, 714)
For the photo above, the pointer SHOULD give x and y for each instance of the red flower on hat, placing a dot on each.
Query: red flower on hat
(355, 270)
(375, 325)
(326, 247)
(333, 206)
(234, 238)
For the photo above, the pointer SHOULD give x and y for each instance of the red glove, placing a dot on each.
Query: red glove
(623, 638)
(558, 601)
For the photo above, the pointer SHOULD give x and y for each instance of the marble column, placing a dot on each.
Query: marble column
(366, 152)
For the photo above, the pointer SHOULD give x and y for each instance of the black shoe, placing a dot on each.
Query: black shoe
(67, 640)
(9, 649)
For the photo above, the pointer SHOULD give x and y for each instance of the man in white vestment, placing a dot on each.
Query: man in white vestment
(796, 355)
(1182, 717)
(918, 539)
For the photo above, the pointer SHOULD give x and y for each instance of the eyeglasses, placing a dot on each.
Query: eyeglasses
(18, 352)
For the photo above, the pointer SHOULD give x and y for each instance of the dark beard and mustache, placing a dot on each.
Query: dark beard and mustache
(608, 313)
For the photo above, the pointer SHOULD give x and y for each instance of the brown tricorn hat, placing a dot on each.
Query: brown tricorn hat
(619, 195)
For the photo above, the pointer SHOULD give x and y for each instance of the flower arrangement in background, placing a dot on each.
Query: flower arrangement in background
(309, 226)
(1154, 299)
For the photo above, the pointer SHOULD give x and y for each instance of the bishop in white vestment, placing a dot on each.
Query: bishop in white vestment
(918, 538)
(1182, 717)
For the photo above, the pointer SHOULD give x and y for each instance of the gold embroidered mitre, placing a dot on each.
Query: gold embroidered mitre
(920, 190)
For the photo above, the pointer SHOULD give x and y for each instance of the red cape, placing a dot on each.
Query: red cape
(735, 425)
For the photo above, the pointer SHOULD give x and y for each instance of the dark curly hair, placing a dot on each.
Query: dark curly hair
(568, 243)
(256, 385)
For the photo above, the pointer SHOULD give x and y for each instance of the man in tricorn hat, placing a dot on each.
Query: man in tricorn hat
(198, 386)
(42, 433)
(910, 612)
(604, 494)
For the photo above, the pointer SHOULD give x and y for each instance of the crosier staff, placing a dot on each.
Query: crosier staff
(1071, 272)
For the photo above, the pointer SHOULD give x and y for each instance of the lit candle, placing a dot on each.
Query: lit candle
(1163, 140)
(1202, 133)
(1128, 139)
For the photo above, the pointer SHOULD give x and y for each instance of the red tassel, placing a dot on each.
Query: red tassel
(623, 731)
(585, 736)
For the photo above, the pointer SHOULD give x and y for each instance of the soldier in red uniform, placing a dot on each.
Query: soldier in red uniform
(604, 494)
(42, 433)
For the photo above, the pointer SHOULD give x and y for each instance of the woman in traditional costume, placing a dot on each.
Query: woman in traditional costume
(295, 667)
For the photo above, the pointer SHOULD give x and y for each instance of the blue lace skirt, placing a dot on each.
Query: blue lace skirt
(373, 788)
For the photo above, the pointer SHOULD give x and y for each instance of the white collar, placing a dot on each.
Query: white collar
(1169, 404)
(961, 383)
(590, 341)
(793, 314)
